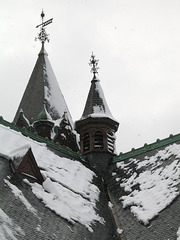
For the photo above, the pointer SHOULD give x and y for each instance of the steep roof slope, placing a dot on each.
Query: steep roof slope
(144, 190)
(68, 205)
(24, 216)
(41, 89)
(96, 105)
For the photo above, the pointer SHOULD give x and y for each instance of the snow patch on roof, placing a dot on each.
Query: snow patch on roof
(178, 234)
(102, 109)
(99, 112)
(119, 231)
(53, 94)
(8, 230)
(68, 189)
(66, 203)
(97, 109)
(152, 190)
(18, 193)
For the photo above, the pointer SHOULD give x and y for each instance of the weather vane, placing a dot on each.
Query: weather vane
(94, 64)
(43, 36)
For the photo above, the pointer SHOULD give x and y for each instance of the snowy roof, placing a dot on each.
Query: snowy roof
(43, 88)
(68, 191)
(145, 193)
(96, 105)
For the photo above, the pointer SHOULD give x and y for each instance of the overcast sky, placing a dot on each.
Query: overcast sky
(137, 43)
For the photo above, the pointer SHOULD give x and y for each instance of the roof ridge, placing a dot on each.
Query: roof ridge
(36, 137)
(147, 147)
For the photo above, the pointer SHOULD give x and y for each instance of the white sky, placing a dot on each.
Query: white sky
(137, 43)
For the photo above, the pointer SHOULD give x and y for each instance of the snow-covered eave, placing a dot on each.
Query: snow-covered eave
(98, 116)
(102, 115)
(37, 138)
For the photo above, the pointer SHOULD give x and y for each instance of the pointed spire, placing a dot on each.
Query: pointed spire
(42, 86)
(43, 102)
(96, 105)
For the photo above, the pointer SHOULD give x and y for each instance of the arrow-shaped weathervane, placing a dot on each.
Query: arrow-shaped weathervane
(45, 23)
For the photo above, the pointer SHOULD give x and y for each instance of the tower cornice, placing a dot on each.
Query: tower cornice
(100, 121)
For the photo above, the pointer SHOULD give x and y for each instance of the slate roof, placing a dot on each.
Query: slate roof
(43, 89)
(38, 221)
(144, 191)
(45, 224)
(96, 105)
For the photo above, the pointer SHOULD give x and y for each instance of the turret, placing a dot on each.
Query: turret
(97, 126)
(22, 121)
(44, 125)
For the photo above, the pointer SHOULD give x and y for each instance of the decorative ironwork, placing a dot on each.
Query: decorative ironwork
(94, 64)
(43, 36)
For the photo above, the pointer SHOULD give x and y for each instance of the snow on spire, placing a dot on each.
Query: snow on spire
(96, 105)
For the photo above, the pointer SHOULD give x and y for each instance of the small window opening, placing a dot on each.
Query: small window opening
(110, 141)
(86, 142)
(98, 140)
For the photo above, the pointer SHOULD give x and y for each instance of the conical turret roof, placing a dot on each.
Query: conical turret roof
(41, 89)
(96, 105)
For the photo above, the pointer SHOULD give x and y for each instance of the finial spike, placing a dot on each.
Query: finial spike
(94, 64)
(42, 14)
